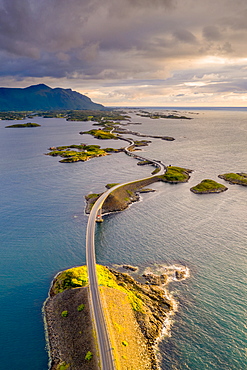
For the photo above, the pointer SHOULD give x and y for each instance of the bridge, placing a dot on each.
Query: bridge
(105, 349)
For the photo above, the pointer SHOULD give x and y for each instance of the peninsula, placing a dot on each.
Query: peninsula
(133, 330)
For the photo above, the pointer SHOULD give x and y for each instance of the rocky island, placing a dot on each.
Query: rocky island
(208, 186)
(134, 329)
(235, 178)
(20, 125)
(82, 152)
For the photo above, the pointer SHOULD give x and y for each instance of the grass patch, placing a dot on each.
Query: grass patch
(64, 314)
(208, 186)
(20, 125)
(81, 307)
(77, 277)
(92, 196)
(175, 174)
(72, 278)
(82, 153)
(101, 134)
(109, 186)
(106, 278)
(63, 366)
(156, 170)
(89, 356)
(235, 178)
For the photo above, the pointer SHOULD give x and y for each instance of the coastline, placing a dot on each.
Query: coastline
(151, 319)
(121, 198)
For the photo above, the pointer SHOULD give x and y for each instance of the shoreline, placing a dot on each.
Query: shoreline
(121, 198)
(153, 319)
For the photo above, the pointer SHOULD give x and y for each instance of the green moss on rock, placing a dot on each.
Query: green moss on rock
(208, 186)
(100, 134)
(20, 125)
(176, 174)
(235, 178)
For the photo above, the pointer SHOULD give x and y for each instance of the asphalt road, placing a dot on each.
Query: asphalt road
(105, 349)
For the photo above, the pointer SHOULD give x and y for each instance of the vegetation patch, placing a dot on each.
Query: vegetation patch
(176, 174)
(81, 307)
(63, 366)
(109, 186)
(208, 186)
(91, 199)
(89, 356)
(160, 115)
(75, 153)
(12, 116)
(94, 115)
(107, 279)
(64, 314)
(100, 134)
(156, 170)
(20, 125)
(143, 163)
(235, 178)
(142, 142)
(71, 278)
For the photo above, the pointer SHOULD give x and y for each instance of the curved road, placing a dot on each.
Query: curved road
(105, 349)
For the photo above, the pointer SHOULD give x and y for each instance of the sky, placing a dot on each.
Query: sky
(129, 52)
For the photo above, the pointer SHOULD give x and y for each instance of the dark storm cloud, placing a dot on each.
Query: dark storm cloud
(211, 33)
(185, 36)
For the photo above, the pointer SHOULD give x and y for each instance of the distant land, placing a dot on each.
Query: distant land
(42, 97)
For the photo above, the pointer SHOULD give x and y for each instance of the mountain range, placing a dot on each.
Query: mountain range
(43, 98)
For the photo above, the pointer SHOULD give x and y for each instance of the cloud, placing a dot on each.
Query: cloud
(185, 36)
(120, 44)
(211, 33)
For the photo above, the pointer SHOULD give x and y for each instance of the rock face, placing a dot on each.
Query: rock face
(42, 97)
(154, 279)
(157, 306)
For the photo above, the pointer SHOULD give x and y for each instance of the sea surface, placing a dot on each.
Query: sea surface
(43, 225)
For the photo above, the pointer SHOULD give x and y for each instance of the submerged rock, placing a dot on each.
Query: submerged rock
(129, 267)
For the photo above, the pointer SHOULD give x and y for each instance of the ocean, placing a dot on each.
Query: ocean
(43, 225)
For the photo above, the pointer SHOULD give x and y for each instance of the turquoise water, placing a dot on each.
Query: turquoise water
(43, 231)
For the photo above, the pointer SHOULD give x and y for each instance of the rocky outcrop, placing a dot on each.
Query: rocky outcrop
(239, 178)
(156, 307)
(208, 186)
(129, 267)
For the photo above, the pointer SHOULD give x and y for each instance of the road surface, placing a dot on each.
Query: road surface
(105, 349)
